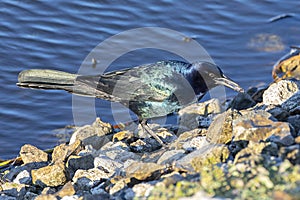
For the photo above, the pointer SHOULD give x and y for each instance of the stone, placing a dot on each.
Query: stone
(63, 151)
(221, 129)
(170, 156)
(51, 175)
(67, 190)
(189, 115)
(89, 178)
(292, 104)
(195, 143)
(23, 178)
(46, 197)
(186, 137)
(143, 171)
(79, 162)
(295, 122)
(31, 154)
(142, 189)
(94, 135)
(279, 92)
(242, 101)
(13, 189)
(106, 164)
(258, 125)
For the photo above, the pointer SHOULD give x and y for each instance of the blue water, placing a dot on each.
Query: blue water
(60, 34)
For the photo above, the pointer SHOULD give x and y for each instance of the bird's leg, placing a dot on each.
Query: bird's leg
(149, 130)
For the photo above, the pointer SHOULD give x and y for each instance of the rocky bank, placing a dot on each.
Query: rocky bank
(246, 149)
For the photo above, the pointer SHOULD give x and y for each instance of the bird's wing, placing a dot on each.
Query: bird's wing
(152, 82)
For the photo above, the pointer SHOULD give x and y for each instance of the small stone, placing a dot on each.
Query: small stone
(291, 104)
(92, 176)
(94, 135)
(46, 197)
(294, 121)
(107, 164)
(13, 189)
(51, 175)
(31, 154)
(185, 137)
(63, 151)
(29, 196)
(279, 92)
(23, 178)
(242, 101)
(79, 162)
(122, 135)
(142, 189)
(66, 190)
(170, 156)
(143, 171)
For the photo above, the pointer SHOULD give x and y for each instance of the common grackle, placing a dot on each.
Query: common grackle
(150, 90)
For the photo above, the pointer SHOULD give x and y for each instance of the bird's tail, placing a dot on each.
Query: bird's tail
(46, 79)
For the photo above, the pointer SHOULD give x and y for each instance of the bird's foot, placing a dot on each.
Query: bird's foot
(151, 132)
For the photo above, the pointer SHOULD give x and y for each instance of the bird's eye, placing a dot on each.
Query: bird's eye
(211, 75)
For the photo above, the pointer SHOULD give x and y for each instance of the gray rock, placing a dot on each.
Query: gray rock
(23, 178)
(107, 164)
(170, 156)
(242, 101)
(279, 92)
(13, 189)
(7, 197)
(292, 104)
(79, 162)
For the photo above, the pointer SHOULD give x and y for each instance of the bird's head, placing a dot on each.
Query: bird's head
(212, 76)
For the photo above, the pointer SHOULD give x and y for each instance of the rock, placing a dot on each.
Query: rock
(186, 137)
(292, 153)
(46, 197)
(242, 101)
(51, 175)
(277, 112)
(189, 116)
(7, 197)
(220, 131)
(279, 92)
(142, 190)
(257, 125)
(118, 154)
(215, 154)
(144, 171)
(122, 135)
(63, 151)
(292, 103)
(79, 162)
(170, 156)
(195, 143)
(207, 155)
(295, 122)
(31, 154)
(86, 179)
(13, 189)
(106, 164)
(94, 135)
(23, 178)
(66, 190)
(29, 196)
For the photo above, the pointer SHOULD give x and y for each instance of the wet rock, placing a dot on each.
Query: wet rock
(63, 151)
(221, 129)
(79, 162)
(170, 156)
(23, 178)
(94, 135)
(66, 190)
(242, 101)
(189, 116)
(13, 189)
(31, 153)
(279, 92)
(143, 171)
(51, 175)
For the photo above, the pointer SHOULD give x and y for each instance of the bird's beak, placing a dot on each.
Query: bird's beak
(228, 83)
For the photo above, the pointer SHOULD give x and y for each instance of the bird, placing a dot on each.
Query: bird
(149, 90)
(288, 66)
